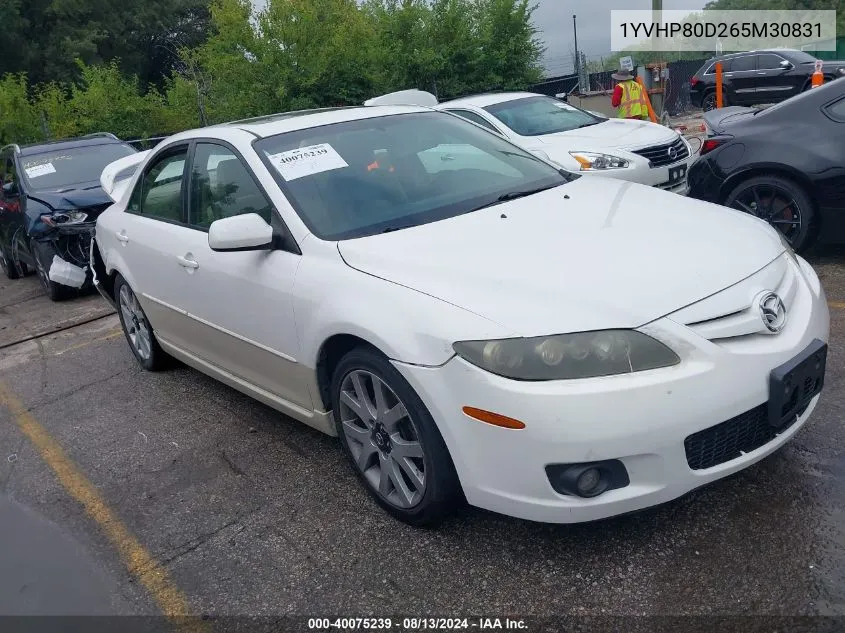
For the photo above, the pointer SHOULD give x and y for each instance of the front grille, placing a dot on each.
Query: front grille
(659, 155)
(730, 440)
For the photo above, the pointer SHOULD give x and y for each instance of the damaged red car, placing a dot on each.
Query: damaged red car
(50, 200)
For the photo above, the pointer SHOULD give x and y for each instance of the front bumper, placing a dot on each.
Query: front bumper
(641, 419)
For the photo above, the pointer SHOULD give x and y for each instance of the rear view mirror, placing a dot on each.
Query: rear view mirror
(248, 232)
(785, 64)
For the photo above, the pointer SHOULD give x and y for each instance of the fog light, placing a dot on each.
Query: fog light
(588, 482)
(589, 479)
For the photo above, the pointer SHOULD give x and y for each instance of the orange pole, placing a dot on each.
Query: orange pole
(651, 113)
(719, 101)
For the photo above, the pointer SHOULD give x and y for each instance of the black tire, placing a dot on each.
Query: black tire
(157, 359)
(442, 494)
(43, 254)
(708, 102)
(8, 265)
(800, 236)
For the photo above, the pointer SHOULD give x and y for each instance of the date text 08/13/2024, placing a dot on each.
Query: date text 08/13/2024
(415, 624)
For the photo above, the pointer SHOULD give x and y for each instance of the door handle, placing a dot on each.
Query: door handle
(122, 237)
(187, 263)
(762, 72)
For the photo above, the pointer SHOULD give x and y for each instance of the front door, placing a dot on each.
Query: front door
(239, 304)
(775, 82)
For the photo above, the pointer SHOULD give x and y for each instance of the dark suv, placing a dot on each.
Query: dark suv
(49, 203)
(757, 77)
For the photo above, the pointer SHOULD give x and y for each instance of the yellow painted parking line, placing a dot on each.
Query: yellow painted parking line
(111, 335)
(840, 305)
(139, 562)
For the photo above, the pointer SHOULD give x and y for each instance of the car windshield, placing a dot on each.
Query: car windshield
(374, 175)
(535, 116)
(63, 168)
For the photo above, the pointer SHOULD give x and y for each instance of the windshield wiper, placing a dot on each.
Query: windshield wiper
(398, 227)
(588, 124)
(513, 195)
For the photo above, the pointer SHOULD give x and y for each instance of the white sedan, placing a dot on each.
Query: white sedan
(472, 322)
(575, 139)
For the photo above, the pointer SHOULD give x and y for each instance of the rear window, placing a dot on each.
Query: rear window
(65, 168)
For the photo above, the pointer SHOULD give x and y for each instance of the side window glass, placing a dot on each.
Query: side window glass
(472, 116)
(836, 110)
(8, 176)
(768, 62)
(740, 64)
(222, 186)
(159, 193)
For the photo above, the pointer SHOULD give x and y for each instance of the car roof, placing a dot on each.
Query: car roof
(487, 99)
(779, 51)
(63, 144)
(274, 124)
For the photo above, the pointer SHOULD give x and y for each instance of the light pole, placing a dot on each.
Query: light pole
(575, 30)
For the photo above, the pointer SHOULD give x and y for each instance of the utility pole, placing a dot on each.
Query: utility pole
(575, 30)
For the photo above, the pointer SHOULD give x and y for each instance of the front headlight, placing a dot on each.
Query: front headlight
(65, 217)
(569, 356)
(591, 161)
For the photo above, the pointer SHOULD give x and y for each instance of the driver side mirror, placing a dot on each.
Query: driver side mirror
(10, 190)
(247, 232)
(786, 65)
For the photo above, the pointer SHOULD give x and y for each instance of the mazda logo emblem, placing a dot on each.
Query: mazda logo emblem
(772, 312)
(673, 153)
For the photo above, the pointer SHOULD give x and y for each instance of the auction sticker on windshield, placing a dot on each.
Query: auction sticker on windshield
(307, 161)
(40, 170)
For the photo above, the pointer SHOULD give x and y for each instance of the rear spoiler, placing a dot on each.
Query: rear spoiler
(404, 97)
(116, 176)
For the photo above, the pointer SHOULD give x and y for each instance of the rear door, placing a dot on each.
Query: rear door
(150, 234)
(741, 79)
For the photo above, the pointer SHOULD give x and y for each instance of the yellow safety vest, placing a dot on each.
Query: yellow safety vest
(633, 103)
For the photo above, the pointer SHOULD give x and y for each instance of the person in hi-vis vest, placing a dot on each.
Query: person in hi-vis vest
(629, 97)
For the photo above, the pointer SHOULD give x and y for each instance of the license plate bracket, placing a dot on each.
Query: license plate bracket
(677, 174)
(795, 383)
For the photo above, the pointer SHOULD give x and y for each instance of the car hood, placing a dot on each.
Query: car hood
(612, 134)
(613, 254)
(83, 195)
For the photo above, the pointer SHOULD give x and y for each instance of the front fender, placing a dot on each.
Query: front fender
(404, 324)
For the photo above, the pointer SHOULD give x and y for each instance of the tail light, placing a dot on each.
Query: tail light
(694, 81)
(710, 144)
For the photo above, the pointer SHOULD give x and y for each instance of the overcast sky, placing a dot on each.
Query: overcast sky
(554, 20)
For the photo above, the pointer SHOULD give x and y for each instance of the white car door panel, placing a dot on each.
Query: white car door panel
(237, 306)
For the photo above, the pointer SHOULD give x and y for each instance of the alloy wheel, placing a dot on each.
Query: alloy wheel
(135, 323)
(773, 204)
(709, 102)
(4, 264)
(382, 438)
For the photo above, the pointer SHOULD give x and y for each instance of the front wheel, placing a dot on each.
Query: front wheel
(781, 202)
(392, 441)
(43, 254)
